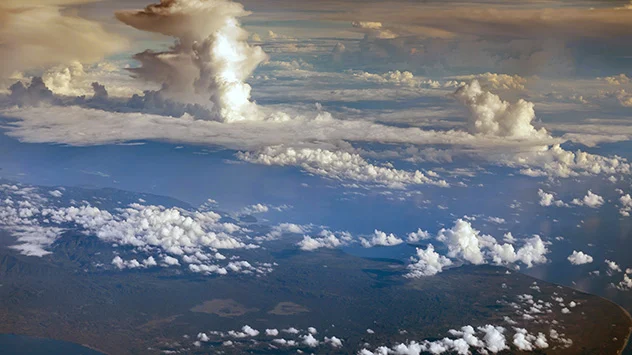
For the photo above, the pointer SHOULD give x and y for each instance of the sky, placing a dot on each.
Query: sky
(481, 131)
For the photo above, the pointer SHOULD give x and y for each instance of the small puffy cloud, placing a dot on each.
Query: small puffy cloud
(547, 199)
(591, 200)
(150, 261)
(203, 337)
(333, 341)
(280, 229)
(419, 235)
(325, 239)
(291, 330)
(533, 251)
(496, 220)
(310, 341)
(263, 208)
(427, 263)
(55, 193)
(620, 79)
(380, 238)
(625, 284)
(529, 342)
(374, 30)
(250, 331)
(121, 264)
(579, 258)
(170, 261)
(612, 266)
(626, 205)
(397, 77)
(246, 331)
(494, 338)
(256, 208)
(272, 332)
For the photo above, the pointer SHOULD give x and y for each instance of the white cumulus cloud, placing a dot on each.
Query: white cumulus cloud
(579, 258)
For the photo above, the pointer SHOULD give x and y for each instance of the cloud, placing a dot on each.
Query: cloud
(493, 340)
(250, 331)
(35, 94)
(529, 342)
(380, 238)
(77, 79)
(579, 258)
(209, 62)
(417, 236)
(291, 330)
(463, 241)
(612, 266)
(554, 161)
(38, 34)
(338, 165)
(547, 199)
(625, 284)
(310, 341)
(427, 263)
(620, 79)
(403, 78)
(496, 81)
(591, 200)
(34, 240)
(493, 22)
(626, 205)
(335, 342)
(174, 236)
(374, 29)
(256, 208)
(80, 126)
(466, 244)
(277, 231)
(56, 193)
(489, 115)
(121, 264)
(320, 145)
(325, 239)
(496, 220)
(246, 331)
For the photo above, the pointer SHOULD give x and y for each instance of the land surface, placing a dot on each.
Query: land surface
(67, 296)
(137, 312)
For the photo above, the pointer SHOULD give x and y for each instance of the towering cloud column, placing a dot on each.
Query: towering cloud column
(210, 60)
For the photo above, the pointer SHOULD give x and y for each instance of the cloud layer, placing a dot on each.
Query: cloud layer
(37, 34)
